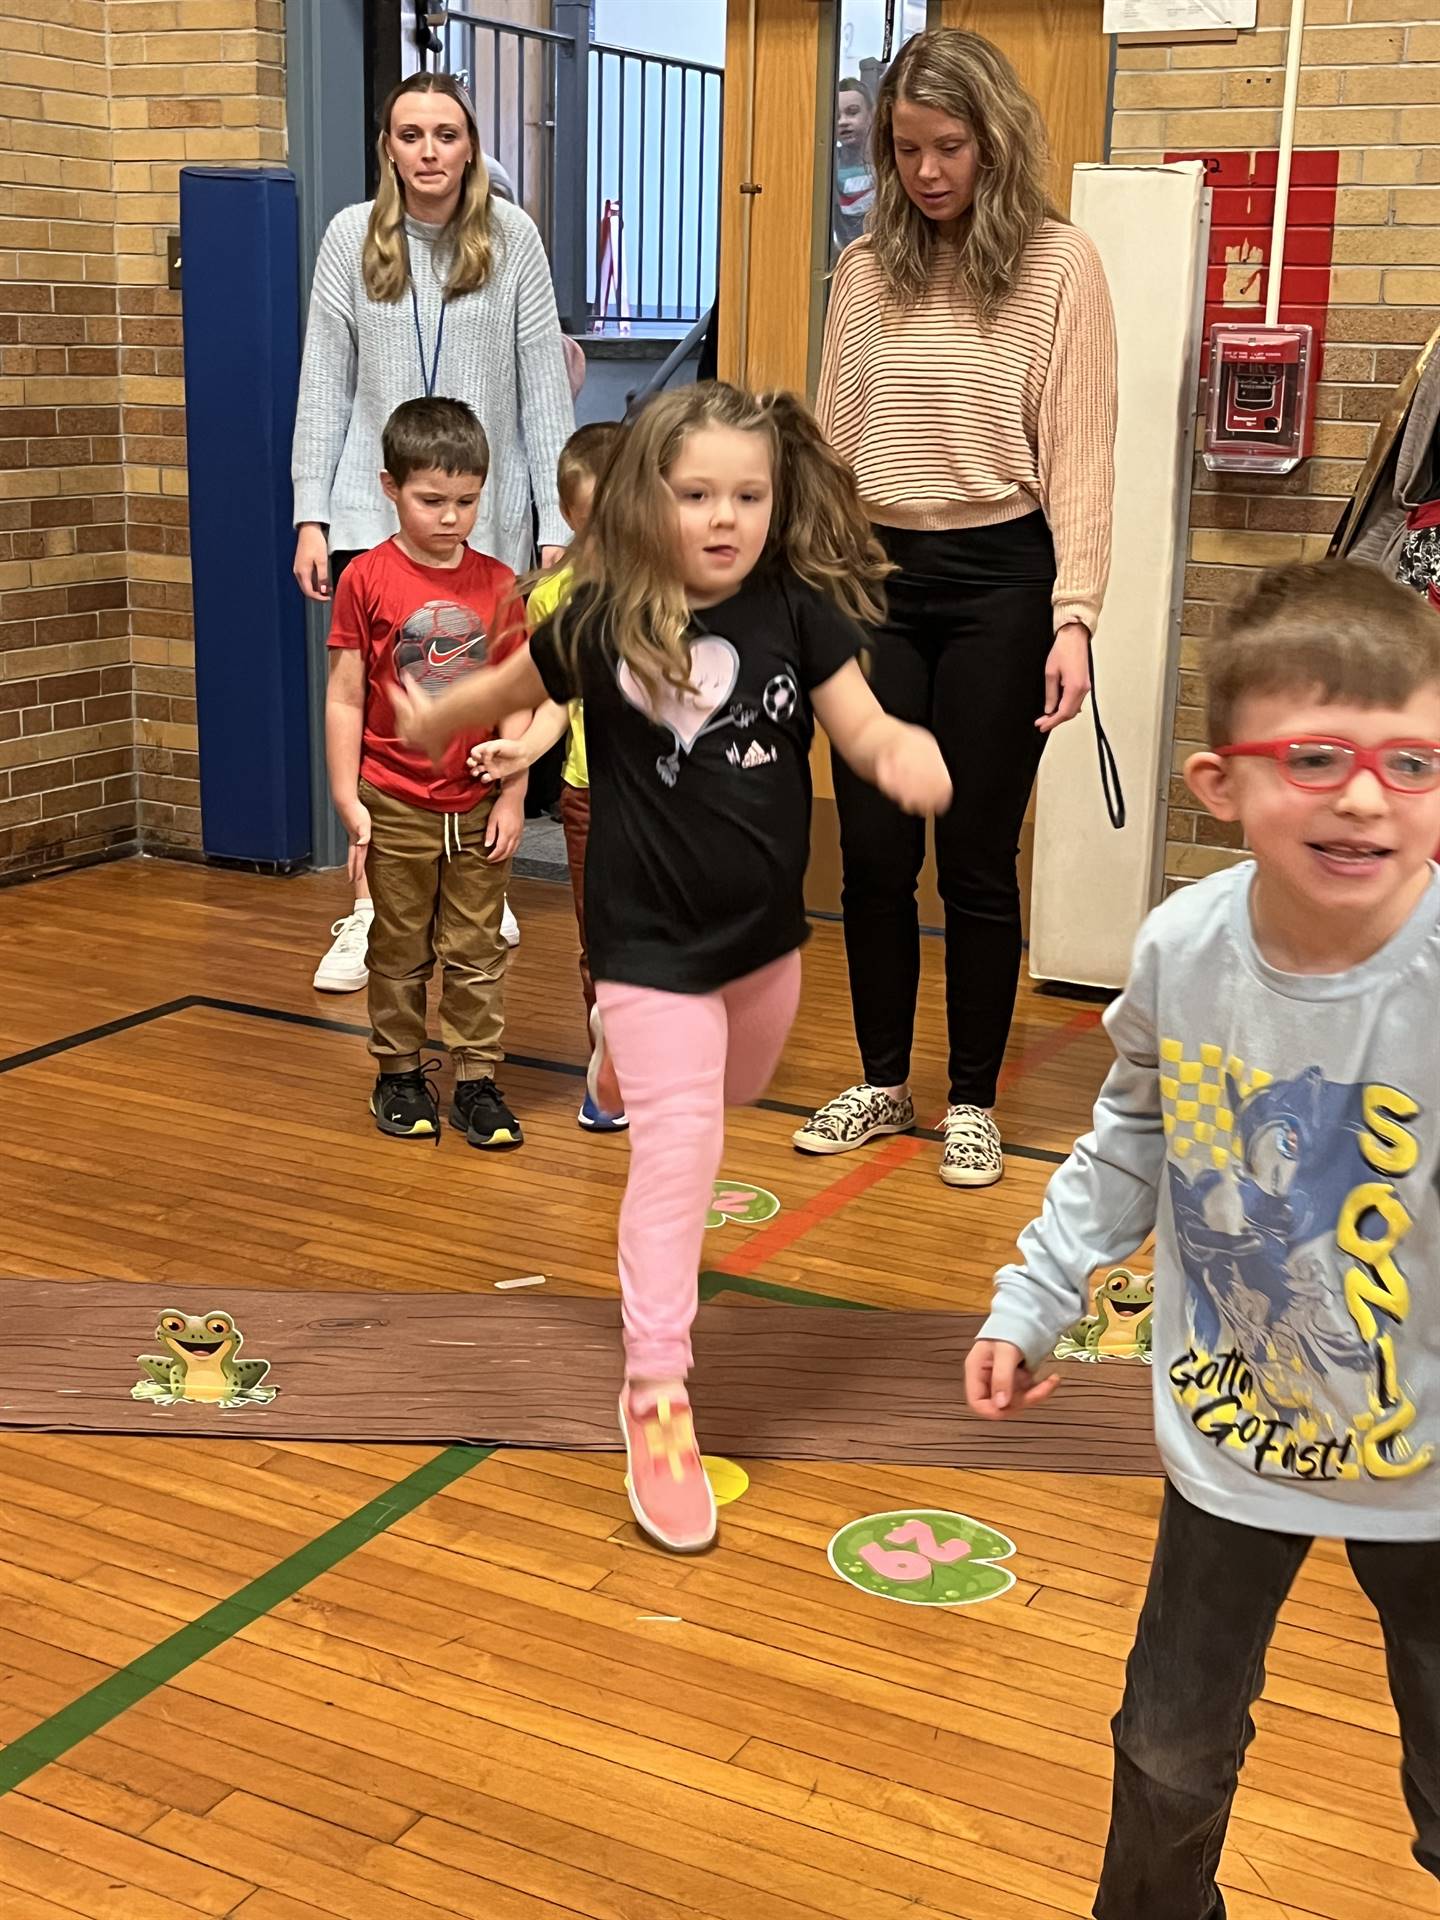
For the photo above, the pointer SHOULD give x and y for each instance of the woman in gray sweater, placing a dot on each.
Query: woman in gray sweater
(435, 286)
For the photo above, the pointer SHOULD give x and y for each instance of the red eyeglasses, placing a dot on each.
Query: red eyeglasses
(1322, 765)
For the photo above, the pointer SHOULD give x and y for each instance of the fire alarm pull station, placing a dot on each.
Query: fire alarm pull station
(1261, 389)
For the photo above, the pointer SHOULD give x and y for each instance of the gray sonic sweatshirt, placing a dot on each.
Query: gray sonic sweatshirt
(1281, 1133)
(500, 352)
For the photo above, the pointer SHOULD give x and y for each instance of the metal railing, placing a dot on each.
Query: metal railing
(656, 149)
(585, 129)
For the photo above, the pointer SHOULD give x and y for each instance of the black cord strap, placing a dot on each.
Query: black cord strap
(1109, 766)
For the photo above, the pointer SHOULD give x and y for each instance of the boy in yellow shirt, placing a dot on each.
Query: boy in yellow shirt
(583, 461)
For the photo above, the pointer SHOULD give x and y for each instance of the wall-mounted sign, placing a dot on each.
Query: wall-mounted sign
(1176, 16)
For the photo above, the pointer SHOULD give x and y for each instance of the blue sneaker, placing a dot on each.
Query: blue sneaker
(594, 1118)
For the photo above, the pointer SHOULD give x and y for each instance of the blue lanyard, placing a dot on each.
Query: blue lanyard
(428, 382)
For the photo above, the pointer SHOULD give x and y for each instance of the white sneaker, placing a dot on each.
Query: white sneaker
(343, 970)
(852, 1118)
(972, 1156)
(509, 927)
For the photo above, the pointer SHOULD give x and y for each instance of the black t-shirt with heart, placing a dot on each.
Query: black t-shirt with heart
(700, 815)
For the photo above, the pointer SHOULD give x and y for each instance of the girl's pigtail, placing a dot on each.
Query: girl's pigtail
(819, 524)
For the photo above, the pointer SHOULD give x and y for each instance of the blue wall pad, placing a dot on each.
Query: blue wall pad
(241, 297)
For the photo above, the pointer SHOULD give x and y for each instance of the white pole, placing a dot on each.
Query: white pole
(1287, 149)
(747, 207)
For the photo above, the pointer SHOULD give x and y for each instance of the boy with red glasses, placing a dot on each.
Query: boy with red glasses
(1274, 1112)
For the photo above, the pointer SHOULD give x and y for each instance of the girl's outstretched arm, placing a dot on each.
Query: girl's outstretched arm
(902, 761)
(482, 699)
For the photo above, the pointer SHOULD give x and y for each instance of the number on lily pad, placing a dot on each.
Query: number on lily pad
(923, 1559)
(737, 1200)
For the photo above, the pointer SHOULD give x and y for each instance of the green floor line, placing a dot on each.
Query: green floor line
(713, 1283)
(111, 1697)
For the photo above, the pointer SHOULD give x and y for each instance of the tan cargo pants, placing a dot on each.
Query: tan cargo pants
(436, 896)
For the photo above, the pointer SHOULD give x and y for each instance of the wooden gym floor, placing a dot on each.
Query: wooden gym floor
(283, 1681)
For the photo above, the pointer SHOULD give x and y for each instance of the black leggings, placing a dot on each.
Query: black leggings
(963, 652)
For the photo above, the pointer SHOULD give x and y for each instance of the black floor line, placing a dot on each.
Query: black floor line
(70, 1041)
(285, 1016)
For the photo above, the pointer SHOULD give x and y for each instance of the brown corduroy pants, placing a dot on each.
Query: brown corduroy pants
(575, 819)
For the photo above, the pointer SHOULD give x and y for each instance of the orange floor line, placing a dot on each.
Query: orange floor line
(789, 1228)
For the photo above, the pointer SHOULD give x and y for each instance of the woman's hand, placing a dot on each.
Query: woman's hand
(1067, 676)
(312, 562)
(505, 826)
(551, 557)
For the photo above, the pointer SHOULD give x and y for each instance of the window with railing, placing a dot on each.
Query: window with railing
(871, 33)
(614, 152)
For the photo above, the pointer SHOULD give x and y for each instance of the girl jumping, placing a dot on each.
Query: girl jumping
(713, 618)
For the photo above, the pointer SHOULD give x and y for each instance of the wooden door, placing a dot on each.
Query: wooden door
(1062, 54)
(785, 295)
(1060, 51)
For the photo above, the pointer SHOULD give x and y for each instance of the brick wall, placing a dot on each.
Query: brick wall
(199, 81)
(104, 101)
(1370, 88)
(67, 779)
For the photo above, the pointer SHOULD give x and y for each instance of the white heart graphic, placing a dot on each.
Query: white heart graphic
(714, 669)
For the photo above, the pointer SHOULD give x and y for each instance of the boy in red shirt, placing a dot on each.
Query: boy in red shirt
(425, 607)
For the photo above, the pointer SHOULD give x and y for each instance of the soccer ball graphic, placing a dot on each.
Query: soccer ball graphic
(437, 644)
(780, 699)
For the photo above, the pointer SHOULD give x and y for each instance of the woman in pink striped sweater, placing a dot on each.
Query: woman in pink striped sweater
(969, 379)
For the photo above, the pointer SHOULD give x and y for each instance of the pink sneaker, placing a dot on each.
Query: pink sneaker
(669, 1492)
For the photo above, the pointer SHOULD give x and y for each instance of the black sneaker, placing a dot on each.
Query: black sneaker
(480, 1113)
(404, 1104)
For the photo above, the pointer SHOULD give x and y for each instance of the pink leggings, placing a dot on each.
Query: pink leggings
(681, 1059)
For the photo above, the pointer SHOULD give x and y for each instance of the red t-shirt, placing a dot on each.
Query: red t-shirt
(433, 625)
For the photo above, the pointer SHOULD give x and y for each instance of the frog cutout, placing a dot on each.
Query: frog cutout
(1120, 1326)
(199, 1366)
(737, 1200)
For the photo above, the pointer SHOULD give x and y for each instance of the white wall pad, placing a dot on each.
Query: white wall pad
(1093, 886)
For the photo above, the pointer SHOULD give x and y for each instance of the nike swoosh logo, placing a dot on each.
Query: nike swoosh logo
(444, 659)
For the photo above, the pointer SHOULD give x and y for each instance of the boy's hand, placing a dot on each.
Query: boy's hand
(355, 817)
(910, 771)
(505, 826)
(498, 759)
(417, 721)
(999, 1383)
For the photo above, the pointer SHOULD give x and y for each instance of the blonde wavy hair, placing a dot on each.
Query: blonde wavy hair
(963, 76)
(385, 260)
(628, 592)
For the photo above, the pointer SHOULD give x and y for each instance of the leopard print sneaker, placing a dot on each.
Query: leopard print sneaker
(972, 1156)
(852, 1118)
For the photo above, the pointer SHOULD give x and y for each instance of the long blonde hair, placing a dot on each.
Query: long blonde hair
(963, 76)
(385, 260)
(628, 590)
